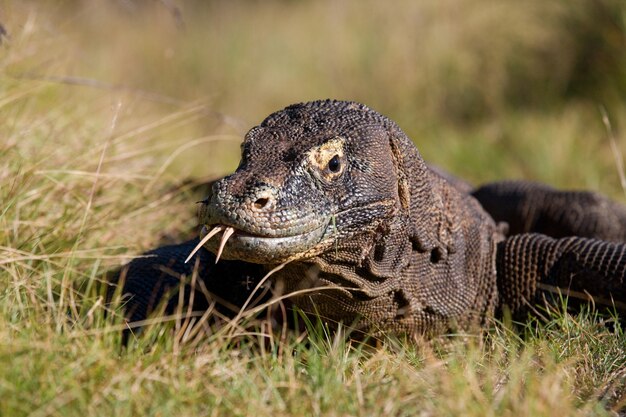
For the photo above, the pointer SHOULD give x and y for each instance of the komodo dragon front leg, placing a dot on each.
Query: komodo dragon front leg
(160, 277)
(341, 198)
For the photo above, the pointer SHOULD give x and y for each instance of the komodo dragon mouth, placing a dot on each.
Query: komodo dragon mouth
(250, 246)
(238, 244)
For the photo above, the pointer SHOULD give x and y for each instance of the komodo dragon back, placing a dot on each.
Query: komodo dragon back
(366, 233)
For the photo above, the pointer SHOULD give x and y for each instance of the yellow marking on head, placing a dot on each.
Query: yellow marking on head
(320, 156)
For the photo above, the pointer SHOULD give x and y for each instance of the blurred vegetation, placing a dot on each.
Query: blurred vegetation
(486, 89)
(106, 107)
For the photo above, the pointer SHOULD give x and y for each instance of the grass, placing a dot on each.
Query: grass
(107, 108)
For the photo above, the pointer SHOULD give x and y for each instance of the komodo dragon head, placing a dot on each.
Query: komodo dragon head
(311, 177)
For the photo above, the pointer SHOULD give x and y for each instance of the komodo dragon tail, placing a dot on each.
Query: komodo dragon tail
(530, 207)
(528, 264)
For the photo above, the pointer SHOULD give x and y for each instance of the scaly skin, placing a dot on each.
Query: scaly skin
(531, 207)
(342, 196)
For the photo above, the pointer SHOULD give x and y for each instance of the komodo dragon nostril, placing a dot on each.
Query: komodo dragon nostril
(261, 202)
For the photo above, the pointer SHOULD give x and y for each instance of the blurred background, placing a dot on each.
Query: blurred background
(486, 89)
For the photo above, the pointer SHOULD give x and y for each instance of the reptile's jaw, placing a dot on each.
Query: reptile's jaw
(263, 249)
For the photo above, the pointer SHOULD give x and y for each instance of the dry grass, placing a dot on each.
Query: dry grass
(105, 109)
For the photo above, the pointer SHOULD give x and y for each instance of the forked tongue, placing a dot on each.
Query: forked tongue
(227, 233)
(205, 239)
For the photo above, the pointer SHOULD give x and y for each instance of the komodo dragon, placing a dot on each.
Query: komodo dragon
(339, 194)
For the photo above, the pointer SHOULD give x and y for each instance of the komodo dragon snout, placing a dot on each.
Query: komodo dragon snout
(302, 184)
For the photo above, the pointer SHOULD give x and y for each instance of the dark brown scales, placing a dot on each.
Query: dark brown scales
(377, 238)
(575, 265)
(532, 207)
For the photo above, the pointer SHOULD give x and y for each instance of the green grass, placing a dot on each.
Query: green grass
(106, 109)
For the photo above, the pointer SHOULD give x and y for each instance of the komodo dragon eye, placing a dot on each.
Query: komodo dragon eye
(328, 161)
(334, 165)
